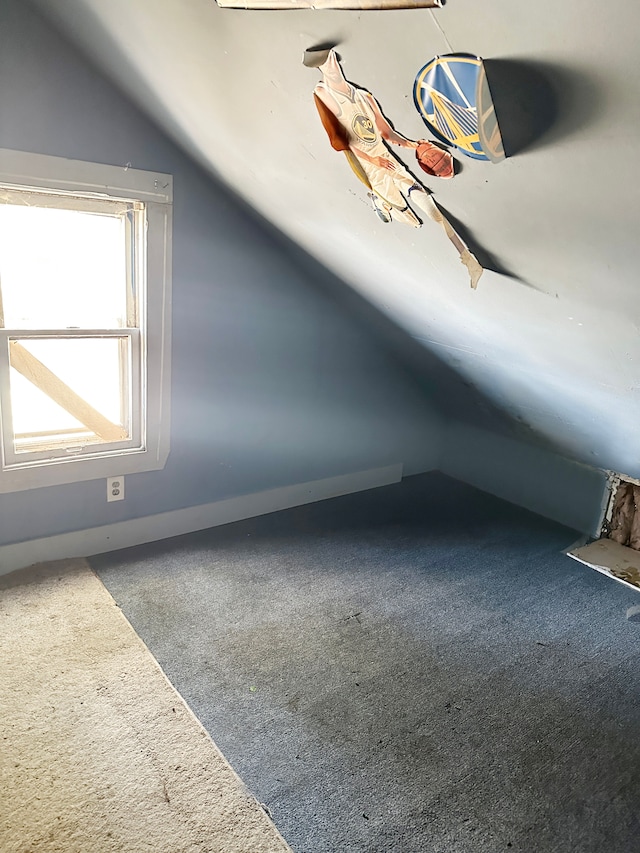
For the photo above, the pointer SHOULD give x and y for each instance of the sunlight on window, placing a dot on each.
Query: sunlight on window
(62, 268)
(65, 269)
(90, 367)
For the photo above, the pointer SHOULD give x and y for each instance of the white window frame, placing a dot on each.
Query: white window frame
(21, 170)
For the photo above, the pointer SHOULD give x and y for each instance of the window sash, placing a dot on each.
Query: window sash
(134, 215)
(134, 394)
(65, 200)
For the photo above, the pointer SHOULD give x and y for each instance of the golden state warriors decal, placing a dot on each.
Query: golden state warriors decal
(446, 96)
(364, 129)
(488, 127)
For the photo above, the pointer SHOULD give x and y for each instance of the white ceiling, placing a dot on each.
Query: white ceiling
(558, 348)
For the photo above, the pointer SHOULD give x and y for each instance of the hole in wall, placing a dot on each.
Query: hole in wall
(617, 552)
(622, 520)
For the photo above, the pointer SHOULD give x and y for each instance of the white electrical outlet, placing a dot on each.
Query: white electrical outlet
(115, 488)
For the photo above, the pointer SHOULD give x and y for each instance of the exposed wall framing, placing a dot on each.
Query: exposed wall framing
(622, 517)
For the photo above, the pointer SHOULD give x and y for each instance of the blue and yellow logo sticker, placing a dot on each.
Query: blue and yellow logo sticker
(446, 96)
(364, 129)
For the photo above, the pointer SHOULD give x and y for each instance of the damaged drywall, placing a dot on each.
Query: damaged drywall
(617, 552)
(611, 559)
(623, 523)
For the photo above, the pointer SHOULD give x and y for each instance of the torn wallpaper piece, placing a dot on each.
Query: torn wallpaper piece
(355, 125)
(330, 4)
(452, 95)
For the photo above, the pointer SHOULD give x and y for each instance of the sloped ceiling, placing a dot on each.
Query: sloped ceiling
(556, 346)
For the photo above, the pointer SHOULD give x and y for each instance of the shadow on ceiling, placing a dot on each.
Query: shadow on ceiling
(539, 103)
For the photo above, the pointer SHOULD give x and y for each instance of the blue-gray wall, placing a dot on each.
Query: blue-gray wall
(522, 473)
(274, 383)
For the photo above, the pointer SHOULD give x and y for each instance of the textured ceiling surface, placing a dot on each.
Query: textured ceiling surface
(556, 345)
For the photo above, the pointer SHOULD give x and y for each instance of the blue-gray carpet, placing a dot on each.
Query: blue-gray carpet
(415, 669)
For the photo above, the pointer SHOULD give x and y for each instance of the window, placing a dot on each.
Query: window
(84, 331)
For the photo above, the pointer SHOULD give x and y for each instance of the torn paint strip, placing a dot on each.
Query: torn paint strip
(361, 5)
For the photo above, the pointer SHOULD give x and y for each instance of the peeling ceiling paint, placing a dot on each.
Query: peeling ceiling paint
(557, 346)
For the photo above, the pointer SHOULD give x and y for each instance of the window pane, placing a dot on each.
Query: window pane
(69, 390)
(62, 268)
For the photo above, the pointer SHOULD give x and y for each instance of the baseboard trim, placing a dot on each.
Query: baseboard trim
(151, 528)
